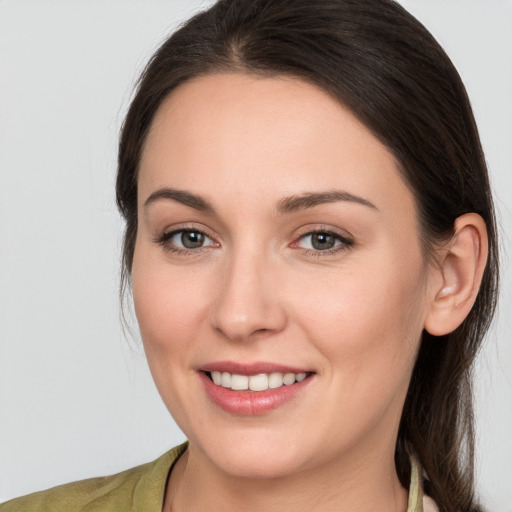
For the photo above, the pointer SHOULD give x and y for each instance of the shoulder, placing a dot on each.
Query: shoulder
(139, 488)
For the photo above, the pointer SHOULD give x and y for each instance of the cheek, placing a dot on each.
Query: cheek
(170, 313)
(169, 304)
(368, 322)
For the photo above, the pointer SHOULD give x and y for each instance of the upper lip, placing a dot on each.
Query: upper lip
(254, 368)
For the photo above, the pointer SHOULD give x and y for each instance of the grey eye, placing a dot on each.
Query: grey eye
(192, 239)
(189, 239)
(320, 241)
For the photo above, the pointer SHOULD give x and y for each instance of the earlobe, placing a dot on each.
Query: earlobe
(461, 265)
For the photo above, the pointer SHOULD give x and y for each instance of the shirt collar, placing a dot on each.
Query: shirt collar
(415, 488)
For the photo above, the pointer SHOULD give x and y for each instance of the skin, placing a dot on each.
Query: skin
(258, 291)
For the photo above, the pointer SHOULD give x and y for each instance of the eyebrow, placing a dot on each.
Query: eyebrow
(180, 196)
(311, 199)
(284, 206)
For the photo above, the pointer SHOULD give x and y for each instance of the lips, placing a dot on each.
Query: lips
(252, 389)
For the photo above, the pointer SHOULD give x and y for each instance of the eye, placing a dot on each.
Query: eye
(323, 241)
(189, 239)
(186, 240)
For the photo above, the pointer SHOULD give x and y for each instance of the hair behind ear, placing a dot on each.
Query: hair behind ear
(439, 399)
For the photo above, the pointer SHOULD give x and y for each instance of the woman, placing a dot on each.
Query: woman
(311, 244)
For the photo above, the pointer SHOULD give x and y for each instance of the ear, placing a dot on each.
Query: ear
(461, 266)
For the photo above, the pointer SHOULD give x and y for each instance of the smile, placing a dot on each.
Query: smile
(259, 382)
(253, 389)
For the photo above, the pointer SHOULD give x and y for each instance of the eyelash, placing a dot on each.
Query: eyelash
(344, 242)
(164, 241)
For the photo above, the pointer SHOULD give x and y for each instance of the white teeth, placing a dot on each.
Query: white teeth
(260, 382)
(239, 382)
(289, 378)
(226, 380)
(275, 380)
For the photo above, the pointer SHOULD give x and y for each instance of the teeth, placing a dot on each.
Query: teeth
(275, 380)
(289, 378)
(260, 382)
(239, 382)
(225, 381)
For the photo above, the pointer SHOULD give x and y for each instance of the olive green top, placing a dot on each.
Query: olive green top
(140, 489)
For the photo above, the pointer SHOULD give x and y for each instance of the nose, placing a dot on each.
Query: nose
(247, 303)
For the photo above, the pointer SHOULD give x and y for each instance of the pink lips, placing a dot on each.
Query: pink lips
(251, 403)
(250, 369)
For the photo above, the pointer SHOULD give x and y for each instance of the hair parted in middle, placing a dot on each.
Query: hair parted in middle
(382, 64)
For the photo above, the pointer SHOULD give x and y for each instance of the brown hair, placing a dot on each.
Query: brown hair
(382, 64)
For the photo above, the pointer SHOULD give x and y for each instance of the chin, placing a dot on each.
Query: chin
(255, 458)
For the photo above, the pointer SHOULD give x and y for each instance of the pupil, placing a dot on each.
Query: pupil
(322, 241)
(192, 239)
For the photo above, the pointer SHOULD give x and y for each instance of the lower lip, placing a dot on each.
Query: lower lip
(251, 403)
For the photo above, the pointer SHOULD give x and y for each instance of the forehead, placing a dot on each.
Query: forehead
(249, 136)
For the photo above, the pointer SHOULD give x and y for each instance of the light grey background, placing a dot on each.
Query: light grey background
(76, 398)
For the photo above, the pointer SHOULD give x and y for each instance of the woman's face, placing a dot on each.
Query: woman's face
(277, 243)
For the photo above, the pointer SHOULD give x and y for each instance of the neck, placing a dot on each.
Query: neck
(364, 486)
